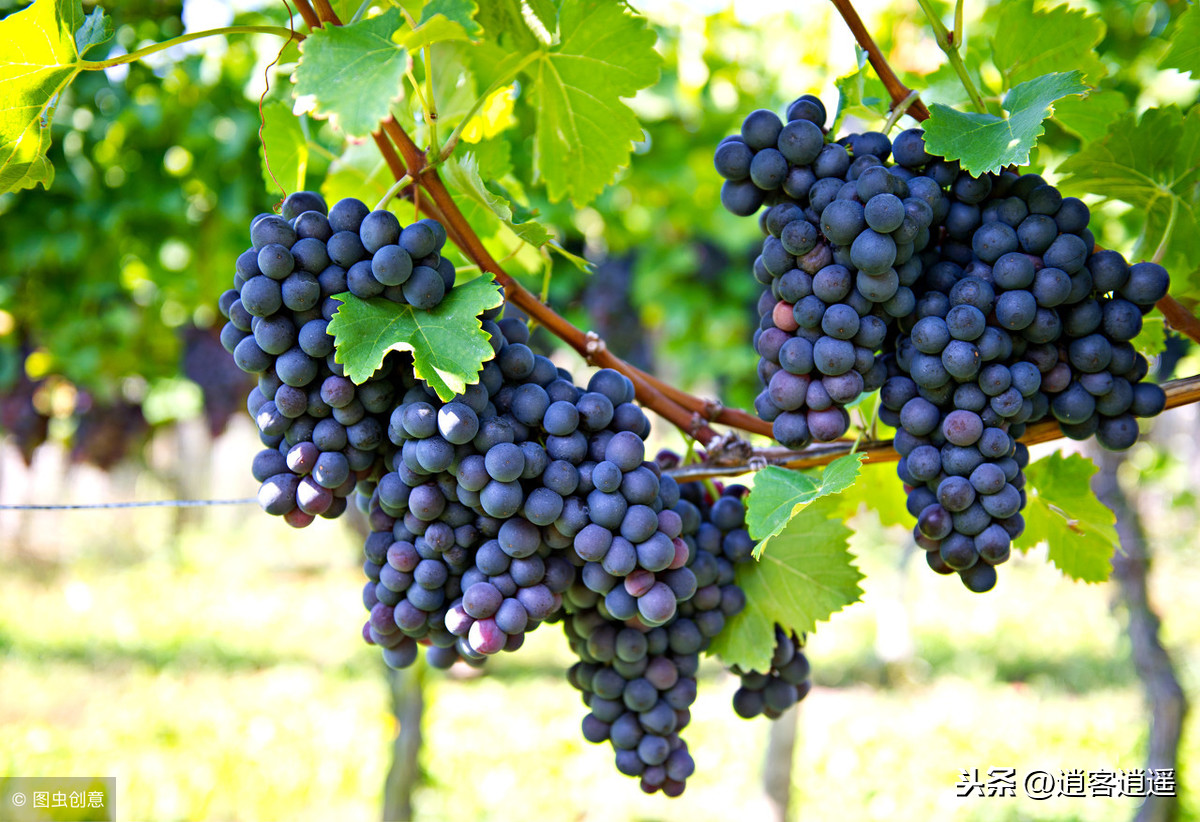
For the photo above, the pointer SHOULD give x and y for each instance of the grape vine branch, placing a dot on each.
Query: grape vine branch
(728, 455)
(1179, 392)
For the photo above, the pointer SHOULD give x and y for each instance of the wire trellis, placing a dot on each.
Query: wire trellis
(162, 503)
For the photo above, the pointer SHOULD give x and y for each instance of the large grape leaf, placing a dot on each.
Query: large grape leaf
(584, 133)
(984, 142)
(284, 148)
(1153, 164)
(448, 343)
(493, 157)
(1028, 43)
(546, 14)
(808, 576)
(1063, 512)
(1088, 117)
(461, 175)
(352, 73)
(1184, 53)
(779, 494)
(40, 57)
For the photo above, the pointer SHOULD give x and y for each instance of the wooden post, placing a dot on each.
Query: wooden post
(1168, 705)
(777, 769)
(404, 773)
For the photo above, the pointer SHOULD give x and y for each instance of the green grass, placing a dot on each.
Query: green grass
(227, 680)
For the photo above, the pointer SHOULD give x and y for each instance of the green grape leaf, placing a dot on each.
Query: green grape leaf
(97, 28)
(40, 59)
(861, 94)
(1088, 117)
(779, 494)
(584, 133)
(1063, 512)
(546, 13)
(461, 176)
(808, 576)
(580, 263)
(984, 142)
(283, 147)
(1029, 43)
(1184, 53)
(1153, 164)
(880, 490)
(1152, 339)
(353, 73)
(448, 343)
(442, 20)
(494, 158)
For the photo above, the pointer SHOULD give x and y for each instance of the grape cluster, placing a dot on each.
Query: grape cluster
(522, 500)
(840, 257)
(1020, 320)
(638, 681)
(321, 432)
(979, 305)
(638, 685)
(787, 682)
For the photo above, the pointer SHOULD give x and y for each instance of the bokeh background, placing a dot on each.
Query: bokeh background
(210, 658)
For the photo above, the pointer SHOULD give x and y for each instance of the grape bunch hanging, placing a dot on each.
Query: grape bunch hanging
(977, 305)
(525, 499)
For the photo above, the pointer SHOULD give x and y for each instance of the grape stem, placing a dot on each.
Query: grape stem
(392, 192)
(891, 82)
(900, 109)
(1179, 318)
(1161, 251)
(325, 11)
(431, 115)
(362, 9)
(310, 17)
(1179, 392)
(133, 56)
(948, 42)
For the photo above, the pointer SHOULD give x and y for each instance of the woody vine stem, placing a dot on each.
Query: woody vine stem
(728, 455)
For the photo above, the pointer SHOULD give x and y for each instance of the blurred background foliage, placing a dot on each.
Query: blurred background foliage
(210, 660)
